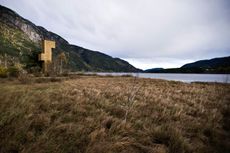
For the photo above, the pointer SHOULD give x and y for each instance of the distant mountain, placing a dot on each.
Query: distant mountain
(215, 65)
(154, 70)
(21, 40)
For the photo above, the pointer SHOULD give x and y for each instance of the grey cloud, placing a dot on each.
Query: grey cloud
(145, 32)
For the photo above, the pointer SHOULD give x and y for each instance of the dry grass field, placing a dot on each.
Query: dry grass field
(92, 114)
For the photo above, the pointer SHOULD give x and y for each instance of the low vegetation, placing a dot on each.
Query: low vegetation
(92, 114)
(12, 71)
(3, 72)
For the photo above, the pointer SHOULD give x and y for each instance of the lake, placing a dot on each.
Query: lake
(222, 78)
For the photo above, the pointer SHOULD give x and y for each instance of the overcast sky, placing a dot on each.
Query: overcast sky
(146, 33)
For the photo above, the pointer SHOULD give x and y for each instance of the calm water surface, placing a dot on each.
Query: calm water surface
(223, 78)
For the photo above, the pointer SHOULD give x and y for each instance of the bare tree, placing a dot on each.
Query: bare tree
(62, 58)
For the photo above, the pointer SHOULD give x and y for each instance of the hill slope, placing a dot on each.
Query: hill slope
(210, 64)
(215, 65)
(21, 40)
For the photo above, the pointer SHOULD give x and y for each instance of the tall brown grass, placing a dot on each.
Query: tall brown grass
(95, 114)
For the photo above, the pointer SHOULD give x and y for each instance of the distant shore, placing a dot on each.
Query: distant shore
(183, 77)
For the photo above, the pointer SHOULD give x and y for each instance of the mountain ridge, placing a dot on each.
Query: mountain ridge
(20, 37)
(210, 63)
(214, 65)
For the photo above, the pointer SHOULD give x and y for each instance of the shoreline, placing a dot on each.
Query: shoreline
(47, 79)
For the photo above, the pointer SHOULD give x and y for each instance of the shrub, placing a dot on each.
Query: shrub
(3, 72)
(49, 79)
(65, 73)
(36, 71)
(13, 71)
(25, 78)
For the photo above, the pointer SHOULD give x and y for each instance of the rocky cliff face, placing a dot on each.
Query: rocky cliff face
(22, 39)
(35, 33)
(13, 20)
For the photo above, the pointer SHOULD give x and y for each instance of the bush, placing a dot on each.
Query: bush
(3, 72)
(25, 78)
(36, 71)
(13, 71)
(49, 79)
